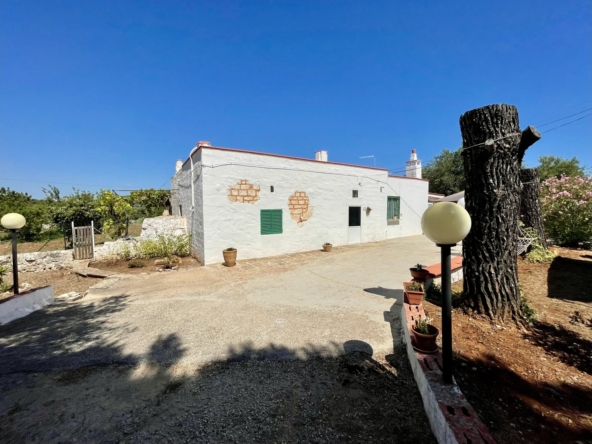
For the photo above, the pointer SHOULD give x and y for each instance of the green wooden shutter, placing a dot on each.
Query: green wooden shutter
(271, 222)
(393, 209)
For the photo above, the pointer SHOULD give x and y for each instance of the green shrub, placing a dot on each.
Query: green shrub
(414, 286)
(136, 263)
(537, 252)
(125, 252)
(529, 314)
(434, 295)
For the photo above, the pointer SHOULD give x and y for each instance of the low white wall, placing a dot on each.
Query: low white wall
(152, 227)
(25, 303)
(41, 261)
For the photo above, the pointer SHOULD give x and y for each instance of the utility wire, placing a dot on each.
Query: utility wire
(563, 118)
(568, 123)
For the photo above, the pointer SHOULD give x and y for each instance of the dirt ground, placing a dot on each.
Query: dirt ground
(354, 398)
(122, 266)
(63, 281)
(535, 384)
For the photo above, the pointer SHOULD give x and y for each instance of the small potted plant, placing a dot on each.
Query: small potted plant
(327, 246)
(418, 272)
(424, 335)
(229, 257)
(413, 292)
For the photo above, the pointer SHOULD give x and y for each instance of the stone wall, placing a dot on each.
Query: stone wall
(152, 227)
(41, 261)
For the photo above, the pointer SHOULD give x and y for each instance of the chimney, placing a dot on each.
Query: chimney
(202, 143)
(413, 166)
(178, 165)
(322, 156)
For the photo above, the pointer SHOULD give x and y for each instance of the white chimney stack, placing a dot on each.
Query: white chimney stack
(322, 156)
(413, 166)
(178, 165)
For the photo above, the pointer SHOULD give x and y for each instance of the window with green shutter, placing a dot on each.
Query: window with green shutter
(393, 208)
(271, 221)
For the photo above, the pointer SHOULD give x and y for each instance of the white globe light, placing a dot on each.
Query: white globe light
(13, 221)
(461, 202)
(446, 223)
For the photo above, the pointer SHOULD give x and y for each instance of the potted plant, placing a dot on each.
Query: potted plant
(327, 246)
(418, 272)
(229, 257)
(413, 292)
(424, 335)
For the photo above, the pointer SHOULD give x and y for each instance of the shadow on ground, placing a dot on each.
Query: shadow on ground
(386, 293)
(570, 279)
(525, 411)
(61, 381)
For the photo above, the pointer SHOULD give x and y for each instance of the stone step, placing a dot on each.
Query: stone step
(93, 272)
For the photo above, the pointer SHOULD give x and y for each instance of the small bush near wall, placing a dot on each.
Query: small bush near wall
(163, 246)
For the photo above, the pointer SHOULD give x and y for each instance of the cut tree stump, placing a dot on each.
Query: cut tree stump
(530, 202)
(492, 198)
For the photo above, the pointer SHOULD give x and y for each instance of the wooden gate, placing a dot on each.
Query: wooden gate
(83, 240)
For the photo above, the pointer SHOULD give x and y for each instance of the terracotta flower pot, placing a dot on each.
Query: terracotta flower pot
(419, 274)
(412, 297)
(328, 247)
(425, 343)
(229, 257)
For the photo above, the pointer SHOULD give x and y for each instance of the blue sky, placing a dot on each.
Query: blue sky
(109, 94)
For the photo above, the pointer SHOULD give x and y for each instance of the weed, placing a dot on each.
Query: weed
(529, 314)
(136, 263)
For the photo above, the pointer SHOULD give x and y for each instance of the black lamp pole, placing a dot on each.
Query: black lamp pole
(446, 313)
(15, 284)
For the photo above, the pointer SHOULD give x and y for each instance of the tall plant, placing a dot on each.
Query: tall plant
(115, 212)
(567, 209)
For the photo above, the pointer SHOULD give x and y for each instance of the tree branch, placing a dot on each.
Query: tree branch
(529, 137)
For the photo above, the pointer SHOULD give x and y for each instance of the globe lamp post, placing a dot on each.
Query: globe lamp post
(13, 222)
(446, 224)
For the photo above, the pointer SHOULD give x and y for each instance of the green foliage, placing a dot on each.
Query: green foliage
(434, 295)
(537, 253)
(551, 166)
(136, 263)
(125, 252)
(528, 313)
(327, 244)
(414, 286)
(149, 202)
(566, 204)
(445, 172)
(34, 211)
(234, 249)
(421, 326)
(4, 286)
(79, 207)
(115, 213)
(163, 247)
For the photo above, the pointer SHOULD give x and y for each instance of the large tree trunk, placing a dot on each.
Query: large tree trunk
(492, 198)
(530, 204)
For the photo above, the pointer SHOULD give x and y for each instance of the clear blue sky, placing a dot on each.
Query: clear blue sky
(109, 94)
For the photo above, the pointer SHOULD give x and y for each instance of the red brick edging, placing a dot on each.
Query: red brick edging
(451, 417)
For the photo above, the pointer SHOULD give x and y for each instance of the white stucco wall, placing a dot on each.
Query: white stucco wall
(414, 202)
(181, 198)
(25, 303)
(218, 223)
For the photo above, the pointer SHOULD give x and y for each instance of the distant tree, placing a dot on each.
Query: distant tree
(34, 211)
(445, 173)
(115, 212)
(149, 202)
(552, 166)
(79, 207)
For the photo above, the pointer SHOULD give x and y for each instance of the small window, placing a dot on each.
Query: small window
(393, 210)
(271, 222)
(271, 188)
(180, 210)
(354, 193)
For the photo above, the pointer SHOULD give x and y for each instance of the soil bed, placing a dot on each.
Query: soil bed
(535, 384)
(122, 266)
(63, 281)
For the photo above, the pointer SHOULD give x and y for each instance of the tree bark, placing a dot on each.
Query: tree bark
(492, 198)
(530, 204)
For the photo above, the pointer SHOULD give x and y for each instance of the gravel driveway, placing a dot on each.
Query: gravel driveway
(294, 348)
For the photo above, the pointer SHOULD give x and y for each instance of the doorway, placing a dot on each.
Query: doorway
(354, 228)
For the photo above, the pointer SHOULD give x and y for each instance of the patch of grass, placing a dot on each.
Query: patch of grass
(136, 263)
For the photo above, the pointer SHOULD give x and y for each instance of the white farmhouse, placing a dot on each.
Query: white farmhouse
(266, 204)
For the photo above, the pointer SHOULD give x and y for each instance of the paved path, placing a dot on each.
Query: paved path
(284, 307)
